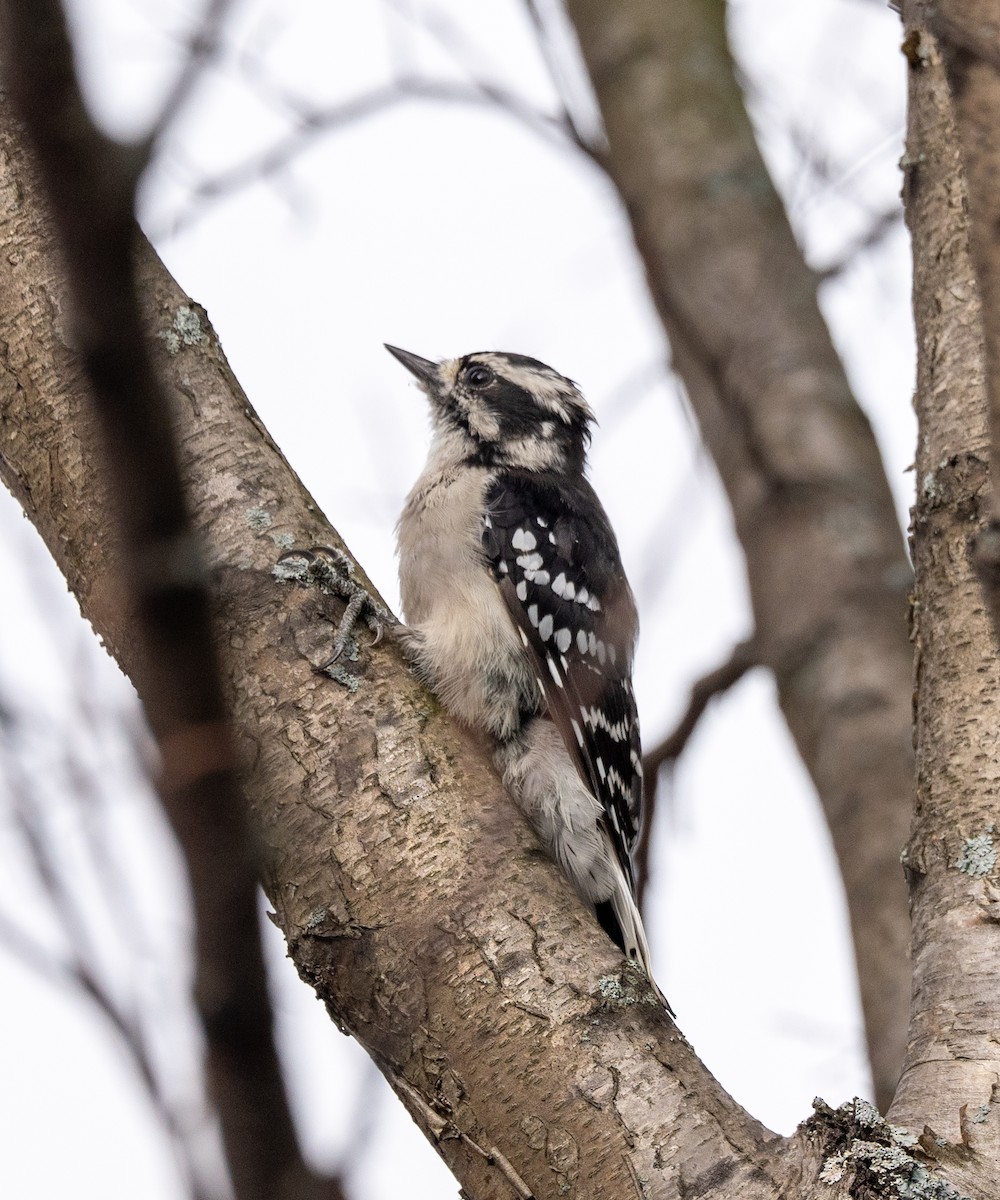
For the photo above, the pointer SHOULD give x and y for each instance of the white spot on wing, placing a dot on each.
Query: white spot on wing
(522, 591)
(563, 639)
(523, 540)
(545, 627)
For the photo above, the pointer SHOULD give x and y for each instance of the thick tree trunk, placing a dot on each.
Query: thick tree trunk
(825, 557)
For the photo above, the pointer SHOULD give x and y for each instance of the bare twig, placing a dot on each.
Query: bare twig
(878, 230)
(202, 46)
(79, 969)
(314, 124)
(744, 657)
(557, 76)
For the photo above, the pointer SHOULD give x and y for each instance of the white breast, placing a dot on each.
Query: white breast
(465, 641)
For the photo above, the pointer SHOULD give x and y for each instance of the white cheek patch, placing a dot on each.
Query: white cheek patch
(483, 423)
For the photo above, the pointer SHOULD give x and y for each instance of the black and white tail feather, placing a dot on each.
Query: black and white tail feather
(520, 616)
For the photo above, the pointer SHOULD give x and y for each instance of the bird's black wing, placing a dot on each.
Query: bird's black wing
(554, 556)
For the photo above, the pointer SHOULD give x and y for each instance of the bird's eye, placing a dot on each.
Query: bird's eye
(478, 376)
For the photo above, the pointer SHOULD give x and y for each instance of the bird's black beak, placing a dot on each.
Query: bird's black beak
(423, 368)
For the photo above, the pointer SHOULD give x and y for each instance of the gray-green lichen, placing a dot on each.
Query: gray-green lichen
(342, 676)
(315, 918)
(882, 1157)
(185, 330)
(978, 856)
(284, 541)
(622, 991)
(258, 518)
(292, 569)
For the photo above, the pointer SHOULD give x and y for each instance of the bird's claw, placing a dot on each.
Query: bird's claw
(333, 572)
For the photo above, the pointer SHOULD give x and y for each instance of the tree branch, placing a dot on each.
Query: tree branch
(969, 40)
(952, 1061)
(827, 569)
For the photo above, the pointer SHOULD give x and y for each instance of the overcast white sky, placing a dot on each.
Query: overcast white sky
(446, 229)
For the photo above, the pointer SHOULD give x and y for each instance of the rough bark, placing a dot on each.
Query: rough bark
(968, 38)
(411, 894)
(953, 1062)
(824, 554)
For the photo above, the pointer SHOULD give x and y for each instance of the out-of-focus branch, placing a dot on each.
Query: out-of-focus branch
(969, 38)
(90, 182)
(77, 968)
(668, 751)
(880, 227)
(203, 44)
(827, 569)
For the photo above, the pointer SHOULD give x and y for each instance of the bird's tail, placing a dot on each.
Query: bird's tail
(620, 918)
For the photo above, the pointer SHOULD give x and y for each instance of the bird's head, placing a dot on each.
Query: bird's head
(505, 410)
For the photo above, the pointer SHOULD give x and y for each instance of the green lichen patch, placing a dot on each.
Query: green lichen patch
(342, 676)
(624, 990)
(292, 569)
(878, 1155)
(978, 855)
(184, 330)
(258, 518)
